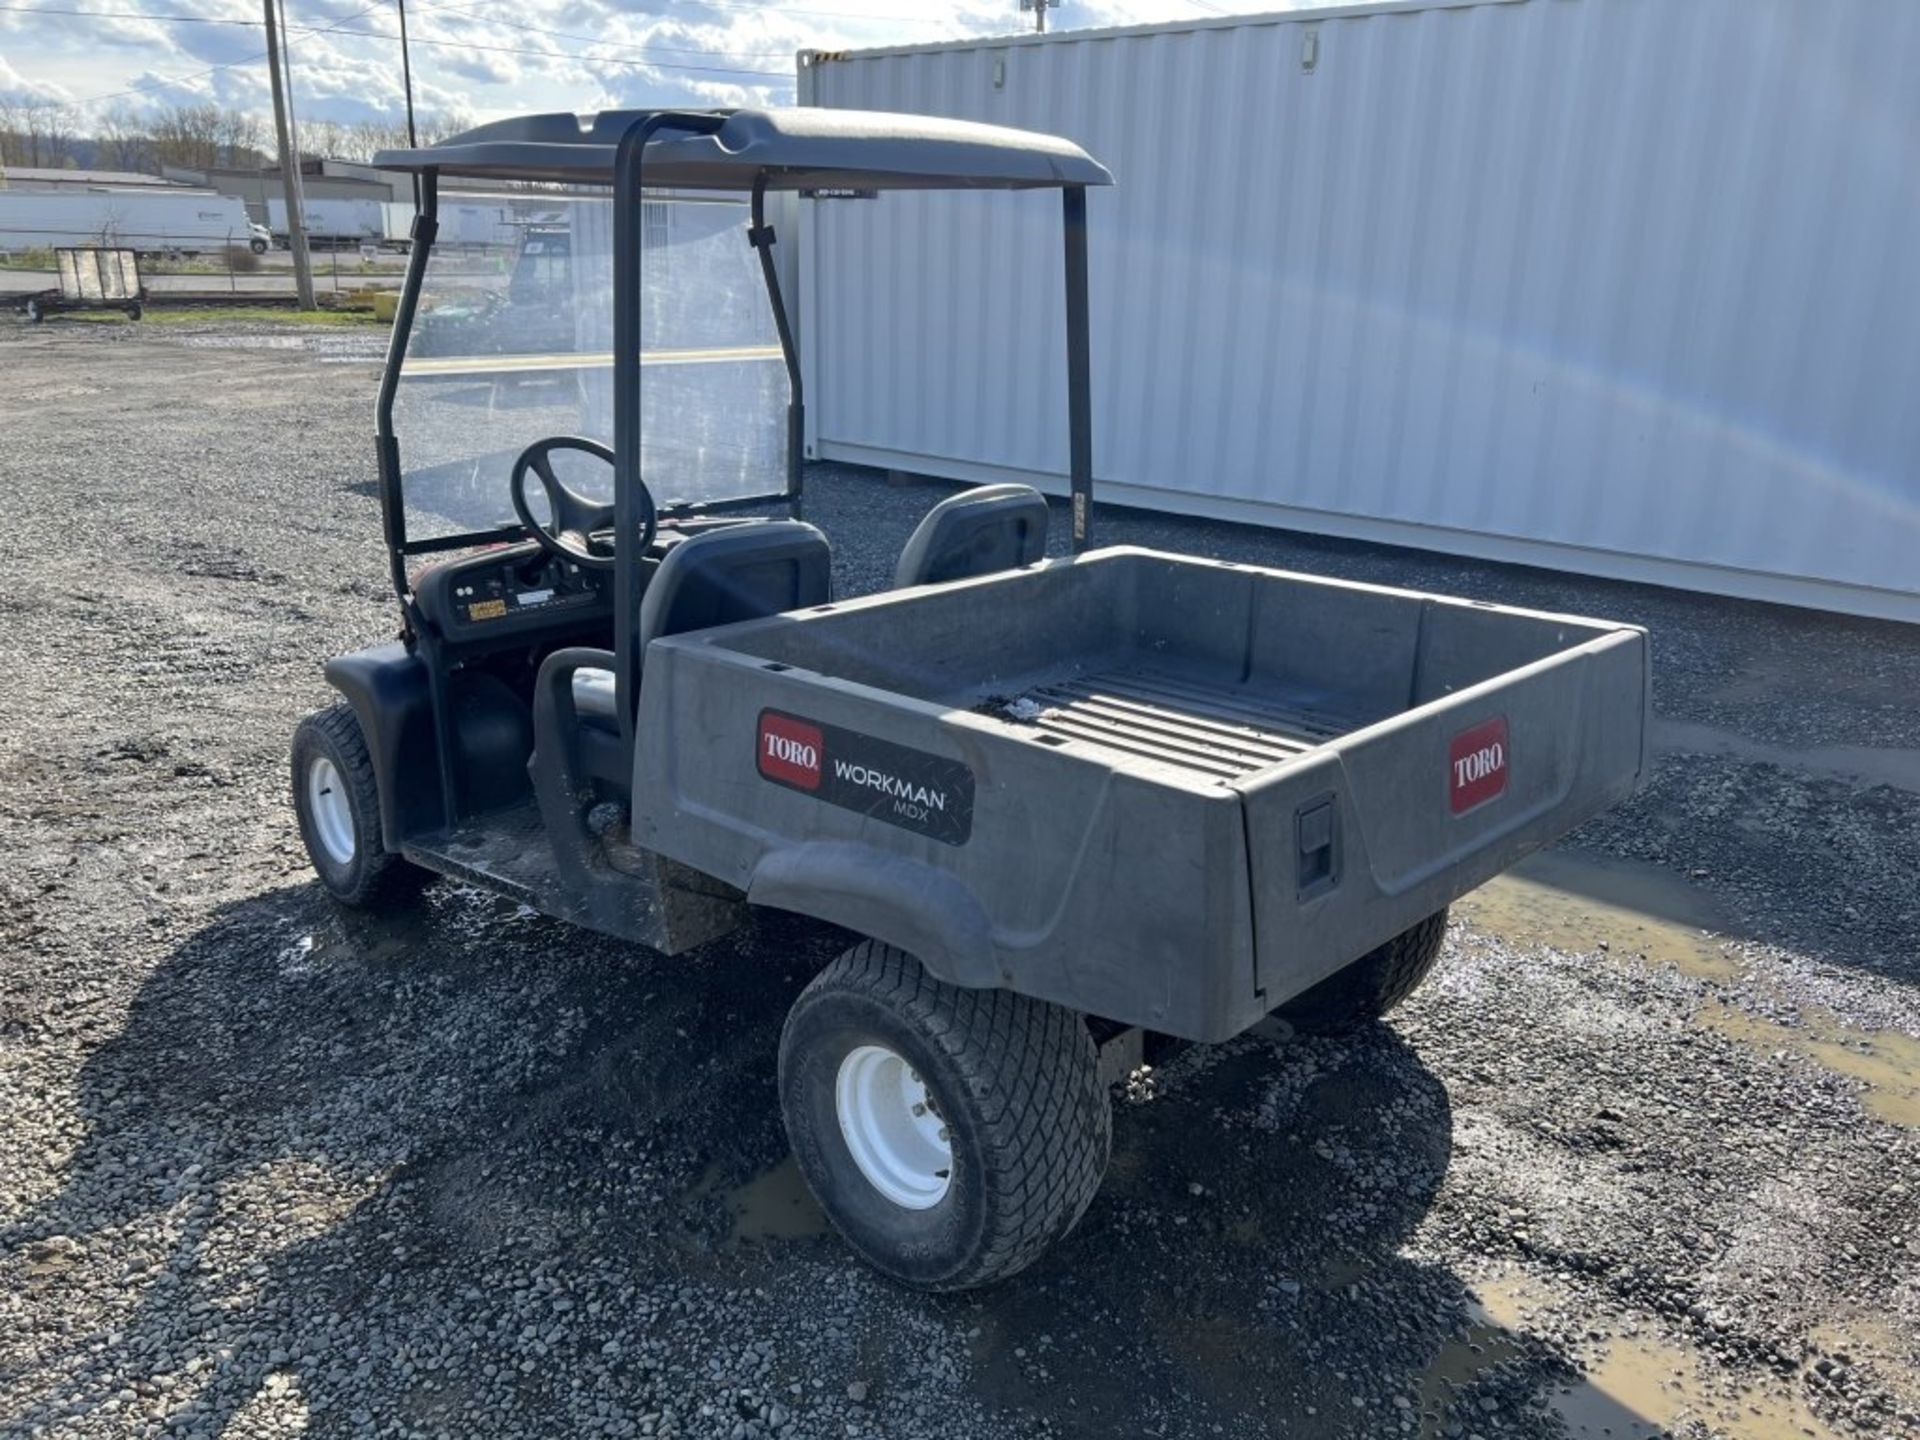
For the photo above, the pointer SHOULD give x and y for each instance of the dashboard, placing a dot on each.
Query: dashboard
(509, 592)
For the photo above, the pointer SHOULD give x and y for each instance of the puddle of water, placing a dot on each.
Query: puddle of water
(243, 342)
(1638, 1390)
(1635, 1389)
(1873, 765)
(1888, 1061)
(1578, 902)
(1496, 1311)
(774, 1205)
(1484, 1345)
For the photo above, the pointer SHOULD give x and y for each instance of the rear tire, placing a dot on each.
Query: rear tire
(1370, 987)
(981, 1124)
(36, 312)
(337, 800)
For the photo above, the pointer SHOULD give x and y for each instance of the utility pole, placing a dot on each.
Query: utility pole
(289, 165)
(293, 146)
(406, 76)
(1039, 9)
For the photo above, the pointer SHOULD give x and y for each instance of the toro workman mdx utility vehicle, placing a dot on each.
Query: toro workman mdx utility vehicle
(1070, 802)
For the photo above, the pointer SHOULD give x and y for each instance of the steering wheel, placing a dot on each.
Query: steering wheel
(579, 525)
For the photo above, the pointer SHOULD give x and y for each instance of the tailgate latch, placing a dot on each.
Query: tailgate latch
(1316, 830)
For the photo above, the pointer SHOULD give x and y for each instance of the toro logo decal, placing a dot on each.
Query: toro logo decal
(927, 794)
(790, 750)
(1477, 765)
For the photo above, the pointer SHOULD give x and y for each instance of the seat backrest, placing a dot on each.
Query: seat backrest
(739, 572)
(976, 532)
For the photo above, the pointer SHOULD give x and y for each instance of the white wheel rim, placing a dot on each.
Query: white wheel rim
(893, 1128)
(327, 805)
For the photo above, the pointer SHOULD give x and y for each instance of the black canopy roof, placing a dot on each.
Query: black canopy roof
(807, 148)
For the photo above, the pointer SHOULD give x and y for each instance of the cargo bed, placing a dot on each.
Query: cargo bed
(1195, 719)
(1170, 792)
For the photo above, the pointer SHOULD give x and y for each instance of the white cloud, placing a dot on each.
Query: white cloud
(18, 89)
(485, 58)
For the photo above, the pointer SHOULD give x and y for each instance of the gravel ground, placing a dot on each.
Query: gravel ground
(266, 1166)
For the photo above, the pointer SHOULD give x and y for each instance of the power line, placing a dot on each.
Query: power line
(463, 9)
(582, 55)
(165, 81)
(816, 14)
(338, 28)
(477, 13)
(132, 15)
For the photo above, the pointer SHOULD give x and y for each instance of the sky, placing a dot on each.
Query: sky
(485, 58)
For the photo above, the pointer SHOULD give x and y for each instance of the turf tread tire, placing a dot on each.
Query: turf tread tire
(376, 878)
(1030, 1073)
(1373, 985)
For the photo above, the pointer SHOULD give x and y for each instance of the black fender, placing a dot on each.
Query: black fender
(911, 906)
(391, 694)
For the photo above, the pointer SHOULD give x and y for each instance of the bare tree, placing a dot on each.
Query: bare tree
(198, 137)
(370, 137)
(442, 125)
(241, 135)
(36, 135)
(12, 151)
(121, 142)
(364, 139)
(319, 136)
(187, 136)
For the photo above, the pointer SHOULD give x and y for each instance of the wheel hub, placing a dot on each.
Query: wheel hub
(893, 1128)
(331, 814)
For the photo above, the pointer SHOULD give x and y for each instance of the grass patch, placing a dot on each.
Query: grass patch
(271, 314)
(184, 267)
(216, 314)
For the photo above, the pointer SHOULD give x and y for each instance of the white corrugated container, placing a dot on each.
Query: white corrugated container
(331, 219)
(1626, 287)
(462, 222)
(138, 220)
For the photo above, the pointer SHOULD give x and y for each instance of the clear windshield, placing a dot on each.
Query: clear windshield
(513, 342)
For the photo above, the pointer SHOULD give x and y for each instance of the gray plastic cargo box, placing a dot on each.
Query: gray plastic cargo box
(1165, 791)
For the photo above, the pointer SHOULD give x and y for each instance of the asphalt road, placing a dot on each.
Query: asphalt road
(1640, 1157)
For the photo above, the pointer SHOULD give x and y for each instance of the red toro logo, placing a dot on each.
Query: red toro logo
(790, 750)
(1477, 765)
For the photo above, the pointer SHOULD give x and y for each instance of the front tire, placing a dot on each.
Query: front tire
(337, 799)
(1370, 987)
(951, 1135)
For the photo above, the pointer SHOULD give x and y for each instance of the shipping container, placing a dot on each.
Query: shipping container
(462, 222)
(1622, 287)
(121, 219)
(330, 222)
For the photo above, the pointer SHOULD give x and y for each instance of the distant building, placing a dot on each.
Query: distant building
(35, 177)
(320, 179)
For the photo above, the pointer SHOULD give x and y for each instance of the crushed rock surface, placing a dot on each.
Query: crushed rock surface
(267, 1167)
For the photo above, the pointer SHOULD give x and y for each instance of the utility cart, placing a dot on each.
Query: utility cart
(92, 279)
(1069, 803)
